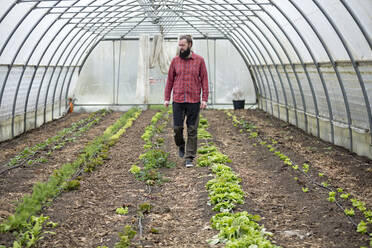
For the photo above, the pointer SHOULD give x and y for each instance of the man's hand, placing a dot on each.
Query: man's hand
(166, 103)
(203, 105)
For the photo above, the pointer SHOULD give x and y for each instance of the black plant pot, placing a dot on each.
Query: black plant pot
(238, 104)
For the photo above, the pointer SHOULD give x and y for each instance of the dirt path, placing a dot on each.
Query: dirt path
(187, 222)
(15, 183)
(297, 219)
(345, 169)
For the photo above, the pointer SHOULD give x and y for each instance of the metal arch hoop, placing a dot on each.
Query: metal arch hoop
(333, 65)
(329, 106)
(51, 58)
(24, 69)
(355, 66)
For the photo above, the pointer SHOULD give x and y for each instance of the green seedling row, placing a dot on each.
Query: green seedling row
(154, 157)
(59, 140)
(150, 161)
(333, 194)
(44, 192)
(236, 230)
(153, 128)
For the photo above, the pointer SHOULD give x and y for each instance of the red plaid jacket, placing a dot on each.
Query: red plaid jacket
(187, 77)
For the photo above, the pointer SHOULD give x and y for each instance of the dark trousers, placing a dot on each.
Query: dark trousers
(191, 112)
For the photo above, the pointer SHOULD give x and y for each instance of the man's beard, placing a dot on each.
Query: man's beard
(185, 54)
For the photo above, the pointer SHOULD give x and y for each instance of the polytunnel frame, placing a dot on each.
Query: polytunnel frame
(68, 55)
(356, 68)
(335, 67)
(47, 67)
(15, 56)
(235, 41)
(329, 106)
(232, 21)
(134, 27)
(304, 67)
(290, 85)
(202, 35)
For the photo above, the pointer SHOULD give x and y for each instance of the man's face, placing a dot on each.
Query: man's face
(183, 45)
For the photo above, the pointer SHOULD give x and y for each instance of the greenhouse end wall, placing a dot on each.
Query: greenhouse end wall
(110, 73)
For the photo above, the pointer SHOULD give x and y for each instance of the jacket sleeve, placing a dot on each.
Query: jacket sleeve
(170, 82)
(204, 81)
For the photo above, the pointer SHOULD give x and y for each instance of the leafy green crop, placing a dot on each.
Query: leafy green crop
(212, 158)
(151, 129)
(135, 170)
(240, 230)
(71, 185)
(153, 158)
(127, 125)
(207, 149)
(203, 123)
(56, 142)
(237, 230)
(305, 167)
(253, 135)
(203, 134)
(368, 216)
(31, 232)
(362, 227)
(359, 204)
(151, 161)
(122, 211)
(144, 208)
(349, 212)
(45, 191)
(324, 184)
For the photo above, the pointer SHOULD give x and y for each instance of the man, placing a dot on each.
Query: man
(187, 77)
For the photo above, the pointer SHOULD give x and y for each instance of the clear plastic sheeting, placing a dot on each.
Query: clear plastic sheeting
(97, 86)
(128, 78)
(308, 62)
(228, 78)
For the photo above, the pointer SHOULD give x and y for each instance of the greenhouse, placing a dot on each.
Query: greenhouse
(277, 99)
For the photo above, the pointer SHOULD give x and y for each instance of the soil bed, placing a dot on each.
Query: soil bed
(14, 184)
(10, 148)
(180, 213)
(179, 207)
(297, 219)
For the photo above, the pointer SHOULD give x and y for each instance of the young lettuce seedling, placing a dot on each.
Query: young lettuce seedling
(344, 196)
(122, 211)
(362, 227)
(305, 167)
(349, 212)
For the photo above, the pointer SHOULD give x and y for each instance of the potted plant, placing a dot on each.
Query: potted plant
(238, 98)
